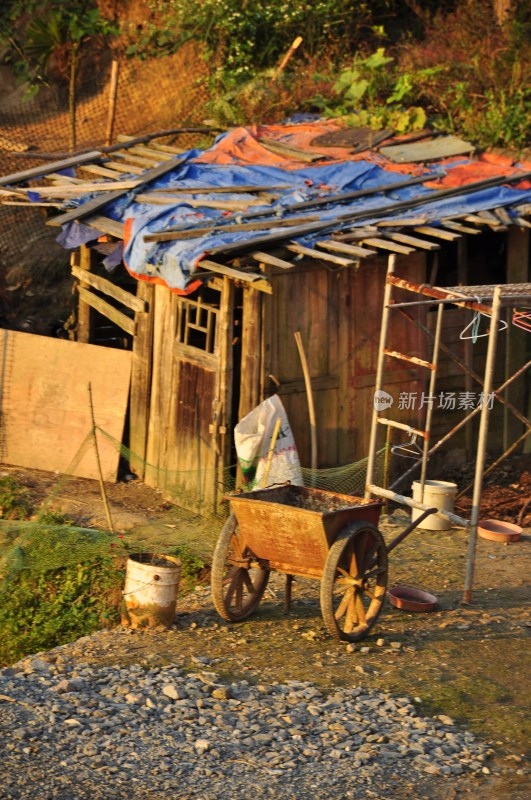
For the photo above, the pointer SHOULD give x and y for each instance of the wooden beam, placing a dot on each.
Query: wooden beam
(38, 172)
(139, 161)
(141, 380)
(319, 256)
(106, 287)
(383, 244)
(516, 340)
(437, 233)
(142, 150)
(75, 190)
(83, 259)
(343, 247)
(289, 151)
(126, 169)
(255, 281)
(106, 225)
(154, 199)
(167, 148)
(124, 322)
(250, 352)
(96, 169)
(413, 241)
(99, 202)
(222, 189)
(459, 228)
(273, 261)
(185, 232)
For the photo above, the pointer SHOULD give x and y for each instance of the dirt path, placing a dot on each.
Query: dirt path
(464, 661)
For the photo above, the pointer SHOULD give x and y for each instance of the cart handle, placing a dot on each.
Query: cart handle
(410, 528)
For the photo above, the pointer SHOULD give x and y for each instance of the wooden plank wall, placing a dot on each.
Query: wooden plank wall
(338, 313)
(141, 379)
(45, 403)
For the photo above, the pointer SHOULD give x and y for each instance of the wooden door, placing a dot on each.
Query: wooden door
(197, 451)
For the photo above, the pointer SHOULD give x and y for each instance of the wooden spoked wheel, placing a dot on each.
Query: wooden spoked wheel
(237, 584)
(354, 582)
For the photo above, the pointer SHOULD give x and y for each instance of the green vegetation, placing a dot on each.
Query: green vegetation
(58, 581)
(459, 67)
(40, 610)
(15, 501)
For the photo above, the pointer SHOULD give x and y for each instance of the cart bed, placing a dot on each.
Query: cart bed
(292, 527)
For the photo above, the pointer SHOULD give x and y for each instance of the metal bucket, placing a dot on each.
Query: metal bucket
(438, 494)
(150, 590)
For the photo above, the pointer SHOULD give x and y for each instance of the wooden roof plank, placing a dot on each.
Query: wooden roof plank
(441, 147)
(127, 169)
(273, 261)
(318, 255)
(343, 247)
(457, 226)
(106, 225)
(140, 161)
(91, 206)
(97, 169)
(45, 169)
(394, 247)
(414, 241)
(255, 281)
(437, 233)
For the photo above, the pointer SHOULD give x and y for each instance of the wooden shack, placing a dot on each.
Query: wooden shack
(202, 360)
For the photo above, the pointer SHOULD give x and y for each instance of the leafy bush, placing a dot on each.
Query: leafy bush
(243, 39)
(40, 610)
(473, 76)
(372, 92)
(15, 500)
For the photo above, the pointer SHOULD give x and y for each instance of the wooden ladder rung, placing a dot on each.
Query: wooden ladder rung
(410, 359)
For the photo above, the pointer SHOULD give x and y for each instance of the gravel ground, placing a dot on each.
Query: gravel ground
(75, 731)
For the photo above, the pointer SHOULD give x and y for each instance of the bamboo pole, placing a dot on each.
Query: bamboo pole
(113, 94)
(98, 462)
(482, 446)
(296, 43)
(276, 431)
(309, 394)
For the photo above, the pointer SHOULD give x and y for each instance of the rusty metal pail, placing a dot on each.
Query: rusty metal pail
(150, 590)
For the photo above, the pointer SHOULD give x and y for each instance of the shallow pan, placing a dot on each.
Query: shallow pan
(498, 531)
(411, 599)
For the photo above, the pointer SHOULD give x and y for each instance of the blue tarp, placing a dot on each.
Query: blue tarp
(174, 262)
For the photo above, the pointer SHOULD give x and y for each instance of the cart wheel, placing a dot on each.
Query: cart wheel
(237, 588)
(354, 582)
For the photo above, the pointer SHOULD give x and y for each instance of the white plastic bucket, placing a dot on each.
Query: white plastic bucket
(150, 590)
(439, 494)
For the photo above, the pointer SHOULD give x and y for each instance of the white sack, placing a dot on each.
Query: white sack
(252, 437)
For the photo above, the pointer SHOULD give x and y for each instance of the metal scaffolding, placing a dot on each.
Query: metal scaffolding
(485, 300)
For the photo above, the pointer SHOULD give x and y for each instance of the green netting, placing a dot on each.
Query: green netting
(193, 521)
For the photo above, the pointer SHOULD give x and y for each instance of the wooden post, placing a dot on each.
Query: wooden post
(462, 280)
(141, 381)
(159, 378)
(309, 393)
(225, 382)
(83, 310)
(98, 462)
(517, 341)
(113, 93)
(250, 358)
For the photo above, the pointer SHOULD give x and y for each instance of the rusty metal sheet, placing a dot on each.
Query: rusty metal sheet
(442, 147)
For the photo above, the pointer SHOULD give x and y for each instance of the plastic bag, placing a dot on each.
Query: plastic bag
(252, 438)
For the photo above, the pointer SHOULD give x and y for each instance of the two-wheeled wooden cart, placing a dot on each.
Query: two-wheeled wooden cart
(309, 533)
